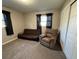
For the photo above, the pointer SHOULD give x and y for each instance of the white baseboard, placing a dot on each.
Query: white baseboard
(9, 41)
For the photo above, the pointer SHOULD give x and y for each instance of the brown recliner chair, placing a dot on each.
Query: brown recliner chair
(49, 38)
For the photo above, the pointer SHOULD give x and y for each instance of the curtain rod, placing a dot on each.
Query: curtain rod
(44, 13)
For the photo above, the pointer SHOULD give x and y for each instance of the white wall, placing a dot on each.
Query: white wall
(31, 21)
(71, 39)
(68, 30)
(17, 19)
(63, 24)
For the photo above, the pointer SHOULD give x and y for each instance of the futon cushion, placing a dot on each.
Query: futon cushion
(30, 36)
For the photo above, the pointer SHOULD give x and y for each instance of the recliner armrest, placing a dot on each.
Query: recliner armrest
(42, 35)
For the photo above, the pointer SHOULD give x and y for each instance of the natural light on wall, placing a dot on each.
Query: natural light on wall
(43, 20)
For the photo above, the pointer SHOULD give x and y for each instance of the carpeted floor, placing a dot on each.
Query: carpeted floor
(24, 49)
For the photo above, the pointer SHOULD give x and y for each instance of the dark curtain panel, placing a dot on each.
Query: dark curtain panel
(38, 23)
(7, 19)
(49, 20)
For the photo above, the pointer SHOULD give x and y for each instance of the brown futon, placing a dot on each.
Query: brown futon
(30, 34)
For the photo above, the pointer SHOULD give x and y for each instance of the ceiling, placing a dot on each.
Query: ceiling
(33, 5)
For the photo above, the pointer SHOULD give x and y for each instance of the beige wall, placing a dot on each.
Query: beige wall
(17, 19)
(28, 20)
(31, 22)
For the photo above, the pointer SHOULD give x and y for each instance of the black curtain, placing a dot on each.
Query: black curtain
(7, 19)
(49, 20)
(38, 23)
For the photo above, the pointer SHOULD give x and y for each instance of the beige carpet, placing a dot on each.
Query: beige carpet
(24, 49)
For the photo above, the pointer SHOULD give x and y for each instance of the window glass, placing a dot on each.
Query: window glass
(3, 22)
(43, 20)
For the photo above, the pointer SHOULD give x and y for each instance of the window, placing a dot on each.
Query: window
(6, 22)
(46, 20)
(3, 22)
(49, 20)
(43, 20)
